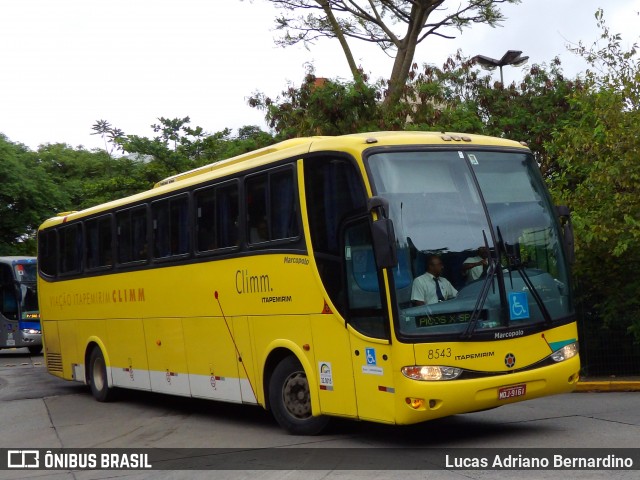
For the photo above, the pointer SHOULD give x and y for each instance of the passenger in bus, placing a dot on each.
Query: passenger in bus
(474, 267)
(431, 287)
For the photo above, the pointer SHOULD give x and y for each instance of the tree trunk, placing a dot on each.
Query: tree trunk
(404, 57)
(335, 27)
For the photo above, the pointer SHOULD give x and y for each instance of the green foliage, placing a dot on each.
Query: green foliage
(178, 147)
(57, 178)
(598, 178)
(27, 195)
(111, 136)
(457, 97)
(321, 107)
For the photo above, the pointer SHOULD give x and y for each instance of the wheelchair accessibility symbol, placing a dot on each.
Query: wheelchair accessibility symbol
(518, 306)
(370, 354)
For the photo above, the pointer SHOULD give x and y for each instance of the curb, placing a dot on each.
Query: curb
(608, 386)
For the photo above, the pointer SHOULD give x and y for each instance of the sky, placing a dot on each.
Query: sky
(65, 64)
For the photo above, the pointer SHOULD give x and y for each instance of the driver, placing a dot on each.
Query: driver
(431, 287)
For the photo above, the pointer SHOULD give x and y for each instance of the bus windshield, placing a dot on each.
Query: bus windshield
(478, 243)
(26, 274)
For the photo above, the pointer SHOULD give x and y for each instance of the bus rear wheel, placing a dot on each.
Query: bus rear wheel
(290, 399)
(98, 377)
(35, 350)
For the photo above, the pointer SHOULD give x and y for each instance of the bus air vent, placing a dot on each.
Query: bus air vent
(54, 362)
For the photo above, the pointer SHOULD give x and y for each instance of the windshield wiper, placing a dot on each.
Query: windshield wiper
(484, 292)
(515, 262)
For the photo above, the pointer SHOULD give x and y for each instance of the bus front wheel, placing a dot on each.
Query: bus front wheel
(98, 377)
(290, 399)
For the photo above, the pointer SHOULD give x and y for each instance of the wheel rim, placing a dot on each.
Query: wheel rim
(98, 377)
(295, 395)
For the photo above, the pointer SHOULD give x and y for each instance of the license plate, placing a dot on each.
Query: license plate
(505, 393)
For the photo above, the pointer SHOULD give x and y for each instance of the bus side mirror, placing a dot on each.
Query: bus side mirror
(564, 214)
(382, 234)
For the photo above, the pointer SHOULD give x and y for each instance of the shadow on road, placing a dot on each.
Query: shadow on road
(435, 433)
(16, 353)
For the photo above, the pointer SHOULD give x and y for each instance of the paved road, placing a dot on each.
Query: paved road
(39, 410)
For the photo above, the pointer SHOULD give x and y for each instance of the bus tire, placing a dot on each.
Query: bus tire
(290, 399)
(35, 349)
(98, 379)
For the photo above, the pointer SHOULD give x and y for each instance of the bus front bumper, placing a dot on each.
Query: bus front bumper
(27, 338)
(419, 401)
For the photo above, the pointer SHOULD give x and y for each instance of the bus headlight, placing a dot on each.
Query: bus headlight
(430, 372)
(31, 331)
(565, 352)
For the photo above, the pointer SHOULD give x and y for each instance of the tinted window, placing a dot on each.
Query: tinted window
(227, 215)
(271, 206)
(334, 192)
(217, 217)
(132, 235)
(71, 249)
(99, 242)
(257, 206)
(171, 227)
(47, 252)
(284, 213)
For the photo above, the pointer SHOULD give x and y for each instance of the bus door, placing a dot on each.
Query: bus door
(9, 312)
(336, 205)
(369, 326)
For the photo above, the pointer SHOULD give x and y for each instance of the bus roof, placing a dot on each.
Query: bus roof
(288, 149)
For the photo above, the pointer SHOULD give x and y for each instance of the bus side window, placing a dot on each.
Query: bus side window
(227, 215)
(205, 220)
(170, 226)
(131, 229)
(271, 206)
(284, 217)
(257, 219)
(334, 191)
(217, 213)
(123, 226)
(99, 242)
(48, 252)
(71, 248)
(363, 282)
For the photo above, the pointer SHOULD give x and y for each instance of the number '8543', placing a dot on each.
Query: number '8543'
(439, 353)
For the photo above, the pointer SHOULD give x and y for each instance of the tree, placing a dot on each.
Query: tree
(393, 25)
(599, 177)
(27, 197)
(454, 97)
(457, 97)
(58, 178)
(177, 148)
(109, 135)
(87, 177)
(321, 107)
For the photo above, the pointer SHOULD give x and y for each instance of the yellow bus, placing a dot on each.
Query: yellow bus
(304, 278)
